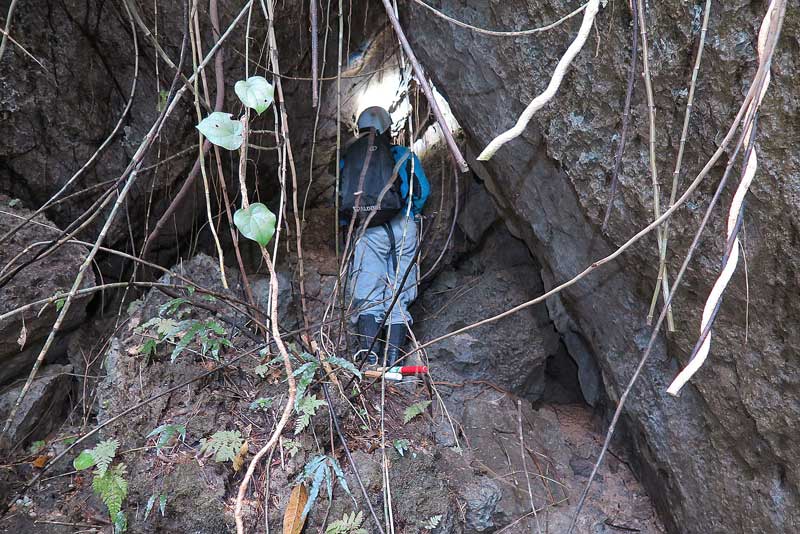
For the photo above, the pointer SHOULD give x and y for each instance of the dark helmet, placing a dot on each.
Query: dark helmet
(374, 117)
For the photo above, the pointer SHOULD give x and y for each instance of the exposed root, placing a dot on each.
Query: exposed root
(592, 7)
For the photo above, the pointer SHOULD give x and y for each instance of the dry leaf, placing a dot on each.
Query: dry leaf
(23, 336)
(238, 461)
(293, 516)
(39, 461)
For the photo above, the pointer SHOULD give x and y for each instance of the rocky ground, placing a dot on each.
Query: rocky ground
(460, 466)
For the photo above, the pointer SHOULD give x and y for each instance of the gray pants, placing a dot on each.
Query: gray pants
(376, 273)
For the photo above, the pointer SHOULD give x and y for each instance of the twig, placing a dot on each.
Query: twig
(6, 35)
(350, 457)
(524, 467)
(592, 7)
(312, 8)
(273, 45)
(287, 363)
(679, 158)
(734, 218)
(9, 16)
(194, 37)
(426, 88)
(626, 115)
(662, 281)
(516, 33)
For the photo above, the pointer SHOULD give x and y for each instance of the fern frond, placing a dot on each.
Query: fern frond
(348, 524)
(112, 488)
(224, 444)
(345, 364)
(103, 454)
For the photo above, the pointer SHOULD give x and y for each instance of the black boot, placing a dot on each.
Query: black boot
(397, 338)
(368, 328)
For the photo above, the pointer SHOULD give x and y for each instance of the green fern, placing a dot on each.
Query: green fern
(348, 524)
(291, 447)
(401, 446)
(261, 403)
(322, 469)
(112, 488)
(432, 522)
(262, 370)
(172, 306)
(306, 408)
(101, 456)
(415, 410)
(166, 433)
(305, 374)
(224, 445)
(344, 364)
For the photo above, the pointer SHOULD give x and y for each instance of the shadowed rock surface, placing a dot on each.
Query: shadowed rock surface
(729, 436)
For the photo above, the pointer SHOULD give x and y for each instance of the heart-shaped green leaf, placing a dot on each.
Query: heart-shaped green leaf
(85, 460)
(222, 130)
(256, 223)
(255, 92)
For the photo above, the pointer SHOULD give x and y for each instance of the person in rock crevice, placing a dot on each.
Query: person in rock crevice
(384, 187)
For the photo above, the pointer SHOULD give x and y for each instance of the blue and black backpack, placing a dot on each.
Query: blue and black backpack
(369, 183)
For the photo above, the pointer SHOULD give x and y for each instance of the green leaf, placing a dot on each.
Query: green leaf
(224, 444)
(306, 373)
(348, 524)
(168, 327)
(112, 488)
(432, 522)
(256, 223)
(292, 447)
(120, 522)
(69, 441)
(59, 304)
(344, 364)
(260, 404)
(401, 446)
(103, 455)
(171, 306)
(166, 433)
(306, 408)
(37, 446)
(261, 370)
(255, 92)
(162, 505)
(415, 410)
(149, 507)
(148, 348)
(84, 460)
(222, 130)
(162, 100)
(186, 339)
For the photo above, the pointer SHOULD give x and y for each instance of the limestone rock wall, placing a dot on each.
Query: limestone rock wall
(729, 436)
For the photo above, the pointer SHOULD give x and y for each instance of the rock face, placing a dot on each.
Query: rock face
(511, 353)
(42, 408)
(729, 437)
(52, 274)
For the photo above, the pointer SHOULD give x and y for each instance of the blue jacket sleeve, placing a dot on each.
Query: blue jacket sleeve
(421, 188)
(422, 185)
